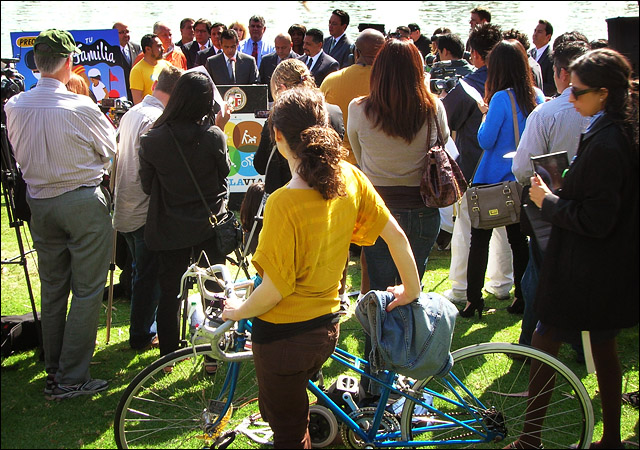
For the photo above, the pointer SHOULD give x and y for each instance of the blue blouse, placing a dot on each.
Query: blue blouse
(496, 136)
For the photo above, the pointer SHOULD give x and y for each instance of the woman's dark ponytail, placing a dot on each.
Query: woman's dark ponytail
(300, 115)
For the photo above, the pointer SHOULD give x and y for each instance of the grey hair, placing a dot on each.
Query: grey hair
(46, 63)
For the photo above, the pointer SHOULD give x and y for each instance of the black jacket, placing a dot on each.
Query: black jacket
(177, 217)
(588, 279)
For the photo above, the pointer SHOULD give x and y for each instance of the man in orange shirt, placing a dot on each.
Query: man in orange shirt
(172, 54)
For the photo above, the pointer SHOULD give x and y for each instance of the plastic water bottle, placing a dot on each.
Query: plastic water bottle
(196, 314)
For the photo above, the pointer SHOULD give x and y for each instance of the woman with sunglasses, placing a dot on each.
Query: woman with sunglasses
(588, 279)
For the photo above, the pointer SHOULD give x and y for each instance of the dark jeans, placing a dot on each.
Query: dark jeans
(145, 289)
(421, 226)
(479, 256)
(173, 264)
(283, 369)
(529, 289)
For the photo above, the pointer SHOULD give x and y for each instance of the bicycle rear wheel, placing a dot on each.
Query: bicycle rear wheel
(186, 408)
(494, 382)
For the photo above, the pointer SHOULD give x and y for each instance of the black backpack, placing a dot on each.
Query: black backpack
(19, 333)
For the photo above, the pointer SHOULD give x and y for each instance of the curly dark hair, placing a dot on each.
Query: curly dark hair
(484, 37)
(301, 116)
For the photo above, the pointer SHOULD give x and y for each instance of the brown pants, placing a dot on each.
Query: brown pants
(283, 369)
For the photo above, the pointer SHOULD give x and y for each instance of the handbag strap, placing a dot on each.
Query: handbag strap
(212, 217)
(516, 128)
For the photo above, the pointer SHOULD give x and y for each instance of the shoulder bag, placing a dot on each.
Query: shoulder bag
(227, 228)
(496, 205)
(442, 183)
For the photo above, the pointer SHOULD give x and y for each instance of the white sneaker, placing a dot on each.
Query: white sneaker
(459, 297)
(498, 295)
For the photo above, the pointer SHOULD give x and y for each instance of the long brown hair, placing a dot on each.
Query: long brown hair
(300, 115)
(399, 103)
(508, 67)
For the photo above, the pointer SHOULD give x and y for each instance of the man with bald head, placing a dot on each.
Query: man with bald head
(284, 50)
(172, 53)
(339, 88)
(128, 53)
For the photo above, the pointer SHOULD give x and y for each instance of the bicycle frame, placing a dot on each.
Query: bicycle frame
(387, 382)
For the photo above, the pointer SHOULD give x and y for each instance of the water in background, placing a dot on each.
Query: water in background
(586, 17)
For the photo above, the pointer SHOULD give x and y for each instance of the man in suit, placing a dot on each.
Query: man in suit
(319, 63)
(255, 46)
(128, 53)
(216, 46)
(542, 54)
(338, 45)
(201, 31)
(231, 66)
(269, 62)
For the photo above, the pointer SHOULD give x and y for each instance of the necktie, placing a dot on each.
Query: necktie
(202, 47)
(232, 71)
(333, 44)
(534, 54)
(309, 62)
(254, 53)
(126, 55)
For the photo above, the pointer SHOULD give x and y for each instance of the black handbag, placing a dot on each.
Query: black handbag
(227, 228)
(442, 183)
(496, 205)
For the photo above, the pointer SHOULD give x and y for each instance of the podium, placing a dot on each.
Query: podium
(243, 132)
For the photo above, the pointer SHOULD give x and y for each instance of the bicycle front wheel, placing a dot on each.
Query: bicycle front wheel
(482, 402)
(175, 403)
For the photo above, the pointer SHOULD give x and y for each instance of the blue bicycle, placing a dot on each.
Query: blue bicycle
(481, 403)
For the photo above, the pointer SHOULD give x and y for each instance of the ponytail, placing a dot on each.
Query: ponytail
(320, 152)
(300, 115)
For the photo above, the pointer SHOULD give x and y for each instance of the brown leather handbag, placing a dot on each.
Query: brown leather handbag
(442, 182)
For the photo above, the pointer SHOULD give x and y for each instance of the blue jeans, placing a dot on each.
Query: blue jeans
(421, 226)
(145, 289)
(529, 289)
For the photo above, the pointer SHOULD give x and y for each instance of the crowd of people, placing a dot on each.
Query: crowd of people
(342, 154)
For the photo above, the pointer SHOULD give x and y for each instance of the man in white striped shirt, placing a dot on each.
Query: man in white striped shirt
(63, 144)
(553, 126)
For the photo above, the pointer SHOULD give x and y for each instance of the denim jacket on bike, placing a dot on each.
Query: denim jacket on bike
(413, 340)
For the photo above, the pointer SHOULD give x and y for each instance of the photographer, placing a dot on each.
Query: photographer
(63, 144)
(451, 51)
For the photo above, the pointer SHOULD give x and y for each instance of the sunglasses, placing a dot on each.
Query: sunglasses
(576, 93)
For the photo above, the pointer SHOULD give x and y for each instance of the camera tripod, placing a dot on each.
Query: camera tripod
(10, 180)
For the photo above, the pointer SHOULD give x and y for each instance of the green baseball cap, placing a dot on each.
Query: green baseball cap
(60, 42)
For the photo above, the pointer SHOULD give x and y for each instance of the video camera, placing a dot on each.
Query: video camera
(443, 77)
(115, 108)
(12, 80)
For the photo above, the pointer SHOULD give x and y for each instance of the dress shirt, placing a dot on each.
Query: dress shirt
(554, 126)
(540, 51)
(126, 53)
(205, 46)
(61, 140)
(314, 60)
(335, 41)
(131, 203)
(264, 48)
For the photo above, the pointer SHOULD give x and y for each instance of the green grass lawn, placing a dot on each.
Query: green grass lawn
(29, 421)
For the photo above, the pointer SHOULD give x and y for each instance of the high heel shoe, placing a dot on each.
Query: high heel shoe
(471, 308)
(517, 307)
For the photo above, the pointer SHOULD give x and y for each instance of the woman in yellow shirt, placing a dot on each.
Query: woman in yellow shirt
(308, 226)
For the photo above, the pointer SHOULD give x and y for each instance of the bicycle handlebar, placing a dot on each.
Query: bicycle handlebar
(216, 334)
